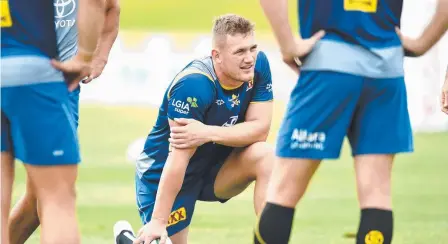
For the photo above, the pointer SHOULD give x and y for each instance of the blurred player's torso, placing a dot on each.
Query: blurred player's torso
(360, 36)
(29, 38)
(65, 13)
(26, 31)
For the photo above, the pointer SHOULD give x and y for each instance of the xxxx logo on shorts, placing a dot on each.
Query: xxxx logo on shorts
(177, 215)
(374, 237)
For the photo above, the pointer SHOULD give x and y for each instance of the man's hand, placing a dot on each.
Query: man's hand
(190, 134)
(444, 96)
(153, 230)
(292, 55)
(74, 69)
(412, 47)
(97, 68)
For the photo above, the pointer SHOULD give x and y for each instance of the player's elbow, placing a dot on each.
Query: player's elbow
(263, 132)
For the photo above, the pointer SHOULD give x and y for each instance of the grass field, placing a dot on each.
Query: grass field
(191, 15)
(106, 189)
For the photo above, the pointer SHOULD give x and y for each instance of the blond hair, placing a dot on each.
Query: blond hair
(231, 24)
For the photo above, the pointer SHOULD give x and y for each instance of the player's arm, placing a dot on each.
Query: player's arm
(110, 30)
(254, 129)
(107, 39)
(292, 46)
(437, 27)
(171, 181)
(90, 11)
(276, 12)
(432, 33)
(169, 186)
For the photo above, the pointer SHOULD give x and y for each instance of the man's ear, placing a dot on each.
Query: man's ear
(216, 55)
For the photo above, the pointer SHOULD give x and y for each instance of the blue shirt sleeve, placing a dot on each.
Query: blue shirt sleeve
(262, 81)
(190, 96)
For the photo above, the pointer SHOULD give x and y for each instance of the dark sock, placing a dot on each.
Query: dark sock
(125, 237)
(274, 225)
(376, 226)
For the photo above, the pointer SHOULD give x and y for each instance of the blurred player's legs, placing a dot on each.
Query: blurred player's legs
(24, 215)
(289, 181)
(373, 113)
(44, 139)
(7, 175)
(373, 178)
(7, 179)
(54, 186)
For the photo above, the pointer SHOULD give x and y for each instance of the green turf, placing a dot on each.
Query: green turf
(329, 209)
(191, 15)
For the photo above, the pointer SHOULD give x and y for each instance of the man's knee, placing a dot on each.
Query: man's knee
(261, 157)
(373, 173)
(259, 151)
(60, 194)
(53, 183)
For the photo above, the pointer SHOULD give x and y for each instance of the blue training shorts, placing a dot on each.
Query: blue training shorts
(37, 124)
(326, 106)
(74, 104)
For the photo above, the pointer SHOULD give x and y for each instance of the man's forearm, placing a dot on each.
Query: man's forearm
(90, 24)
(437, 27)
(170, 184)
(239, 135)
(109, 33)
(276, 12)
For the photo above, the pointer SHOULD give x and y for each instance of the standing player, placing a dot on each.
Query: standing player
(24, 215)
(208, 143)
(36, 125)
(351, 83)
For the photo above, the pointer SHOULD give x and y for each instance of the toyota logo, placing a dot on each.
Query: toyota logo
(64, 8)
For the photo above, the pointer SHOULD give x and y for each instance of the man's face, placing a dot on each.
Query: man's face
(238, 55)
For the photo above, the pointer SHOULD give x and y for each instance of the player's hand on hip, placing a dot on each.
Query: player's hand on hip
(412, 47)
(189, 134)
(152, 231)
(97, 67)
(75, 70)
(444, 96)
(291, 56)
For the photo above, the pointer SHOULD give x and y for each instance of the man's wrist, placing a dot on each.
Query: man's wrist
(288, 47)
(84, 55)
(159, 220)
(423, 44)
(210, 133)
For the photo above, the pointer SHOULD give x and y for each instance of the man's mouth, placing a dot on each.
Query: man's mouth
(247, 67)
